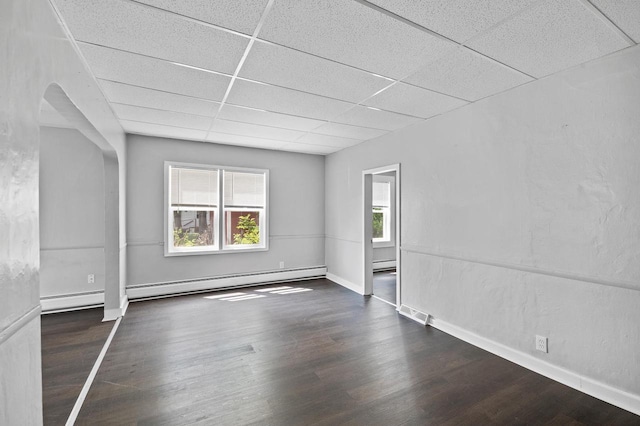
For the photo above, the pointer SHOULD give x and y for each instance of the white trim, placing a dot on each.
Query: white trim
(223, 282)
(71, 302)
(384, 264)
(345, 283)
(92, 375)
(19, 324)
(116, 313)
(617, 397)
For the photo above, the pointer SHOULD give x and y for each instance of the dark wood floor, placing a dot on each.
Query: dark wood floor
(71, 343)
(325, 356)
(384, 286)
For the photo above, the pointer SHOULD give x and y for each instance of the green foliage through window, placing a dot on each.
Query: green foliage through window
(378, 223)
(249, 231)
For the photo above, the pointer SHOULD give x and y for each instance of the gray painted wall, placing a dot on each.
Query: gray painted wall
(296, 210)
(71, 213)
(520, 216)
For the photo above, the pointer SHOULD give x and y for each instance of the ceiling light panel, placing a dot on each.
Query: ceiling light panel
(169, 118)
(149, 129)
(254, 130)
(237, 15)
(267, 118)
(552, 36)
(367, 117)
(624, 13)
(287, 101)
(138, 70)
(247, 141)
(465, 74)
(352, 34)
(411, 100)
(289, 68)
(458, 20)
(346, 131)
(129, 26)
(138, 96)
(335, 141)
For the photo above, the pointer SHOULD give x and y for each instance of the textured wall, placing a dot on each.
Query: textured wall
(296, 210)
(34, 53)
(520, 216)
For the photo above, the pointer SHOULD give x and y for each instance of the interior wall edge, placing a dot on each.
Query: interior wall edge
(345, 283)
(19, 323)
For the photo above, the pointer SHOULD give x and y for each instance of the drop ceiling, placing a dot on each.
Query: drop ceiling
(317, 76)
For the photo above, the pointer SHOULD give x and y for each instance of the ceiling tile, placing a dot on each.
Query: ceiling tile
(162, 131)
(254, 130)
(350, 33)
(152, 32)
(367, 117)
(255, 116)
(624, 13)
(138, 96)
(467, 75)
(458, 20)
(552, 36)
(309, 149)
(286, 67)
(346, 131)
(109, 64)
(237, 15)
(287, 101)
(248, 141)
(415, 101)
(156, 116)
(334, 141)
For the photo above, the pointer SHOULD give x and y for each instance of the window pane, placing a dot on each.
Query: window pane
(378, 223)
(381, 194)
(244, 189)
(193, 228)
(194, 187)
(243, 227)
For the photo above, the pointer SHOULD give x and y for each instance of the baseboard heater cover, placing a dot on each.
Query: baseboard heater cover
(71, 302)
(414, 314)
(143, 291)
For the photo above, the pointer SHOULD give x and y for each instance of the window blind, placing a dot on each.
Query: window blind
(381, 194)
(194, 187)
(244, 189)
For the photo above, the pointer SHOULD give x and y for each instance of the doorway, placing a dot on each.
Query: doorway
(381, 233)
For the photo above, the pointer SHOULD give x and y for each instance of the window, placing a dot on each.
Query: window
(215, 209)
(383, 212)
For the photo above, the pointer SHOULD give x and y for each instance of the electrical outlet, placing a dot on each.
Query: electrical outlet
(541, 344)
(91, 279)
(282, 264)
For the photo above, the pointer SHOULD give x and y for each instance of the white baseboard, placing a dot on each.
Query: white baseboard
(115, 313)
(617, 397)
(384, 264)
(71, 302)
(217, 283)
(345, 283)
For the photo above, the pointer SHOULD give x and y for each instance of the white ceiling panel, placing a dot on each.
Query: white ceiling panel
(286, 67)
(150, 129)
(346, 131)
(129, 26)
(552, 36)
(407, 99)
(266, 118)
(287, 101)
(458, 20)
(237, 15)
(350, 33)
(254, 130)
(156, 116)
(248, 141)
(138, 70)
(624, 13)
(138, 96)
(309, 149)
(466, 74)
(368, 117)
(311, 138)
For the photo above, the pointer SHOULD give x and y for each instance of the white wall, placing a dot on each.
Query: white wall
(35, 53)
(296, 210)
(520, 216)
(71, 213)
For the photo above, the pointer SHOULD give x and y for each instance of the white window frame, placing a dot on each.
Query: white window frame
(219, 246)
(389, 213)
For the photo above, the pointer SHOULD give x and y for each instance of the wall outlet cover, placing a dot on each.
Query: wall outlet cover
(541, 344)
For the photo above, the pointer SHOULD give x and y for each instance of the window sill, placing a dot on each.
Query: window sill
(207, 252)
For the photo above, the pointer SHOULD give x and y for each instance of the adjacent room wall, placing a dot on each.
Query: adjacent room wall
(520, 216)
(71, 213)
(296, 210)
